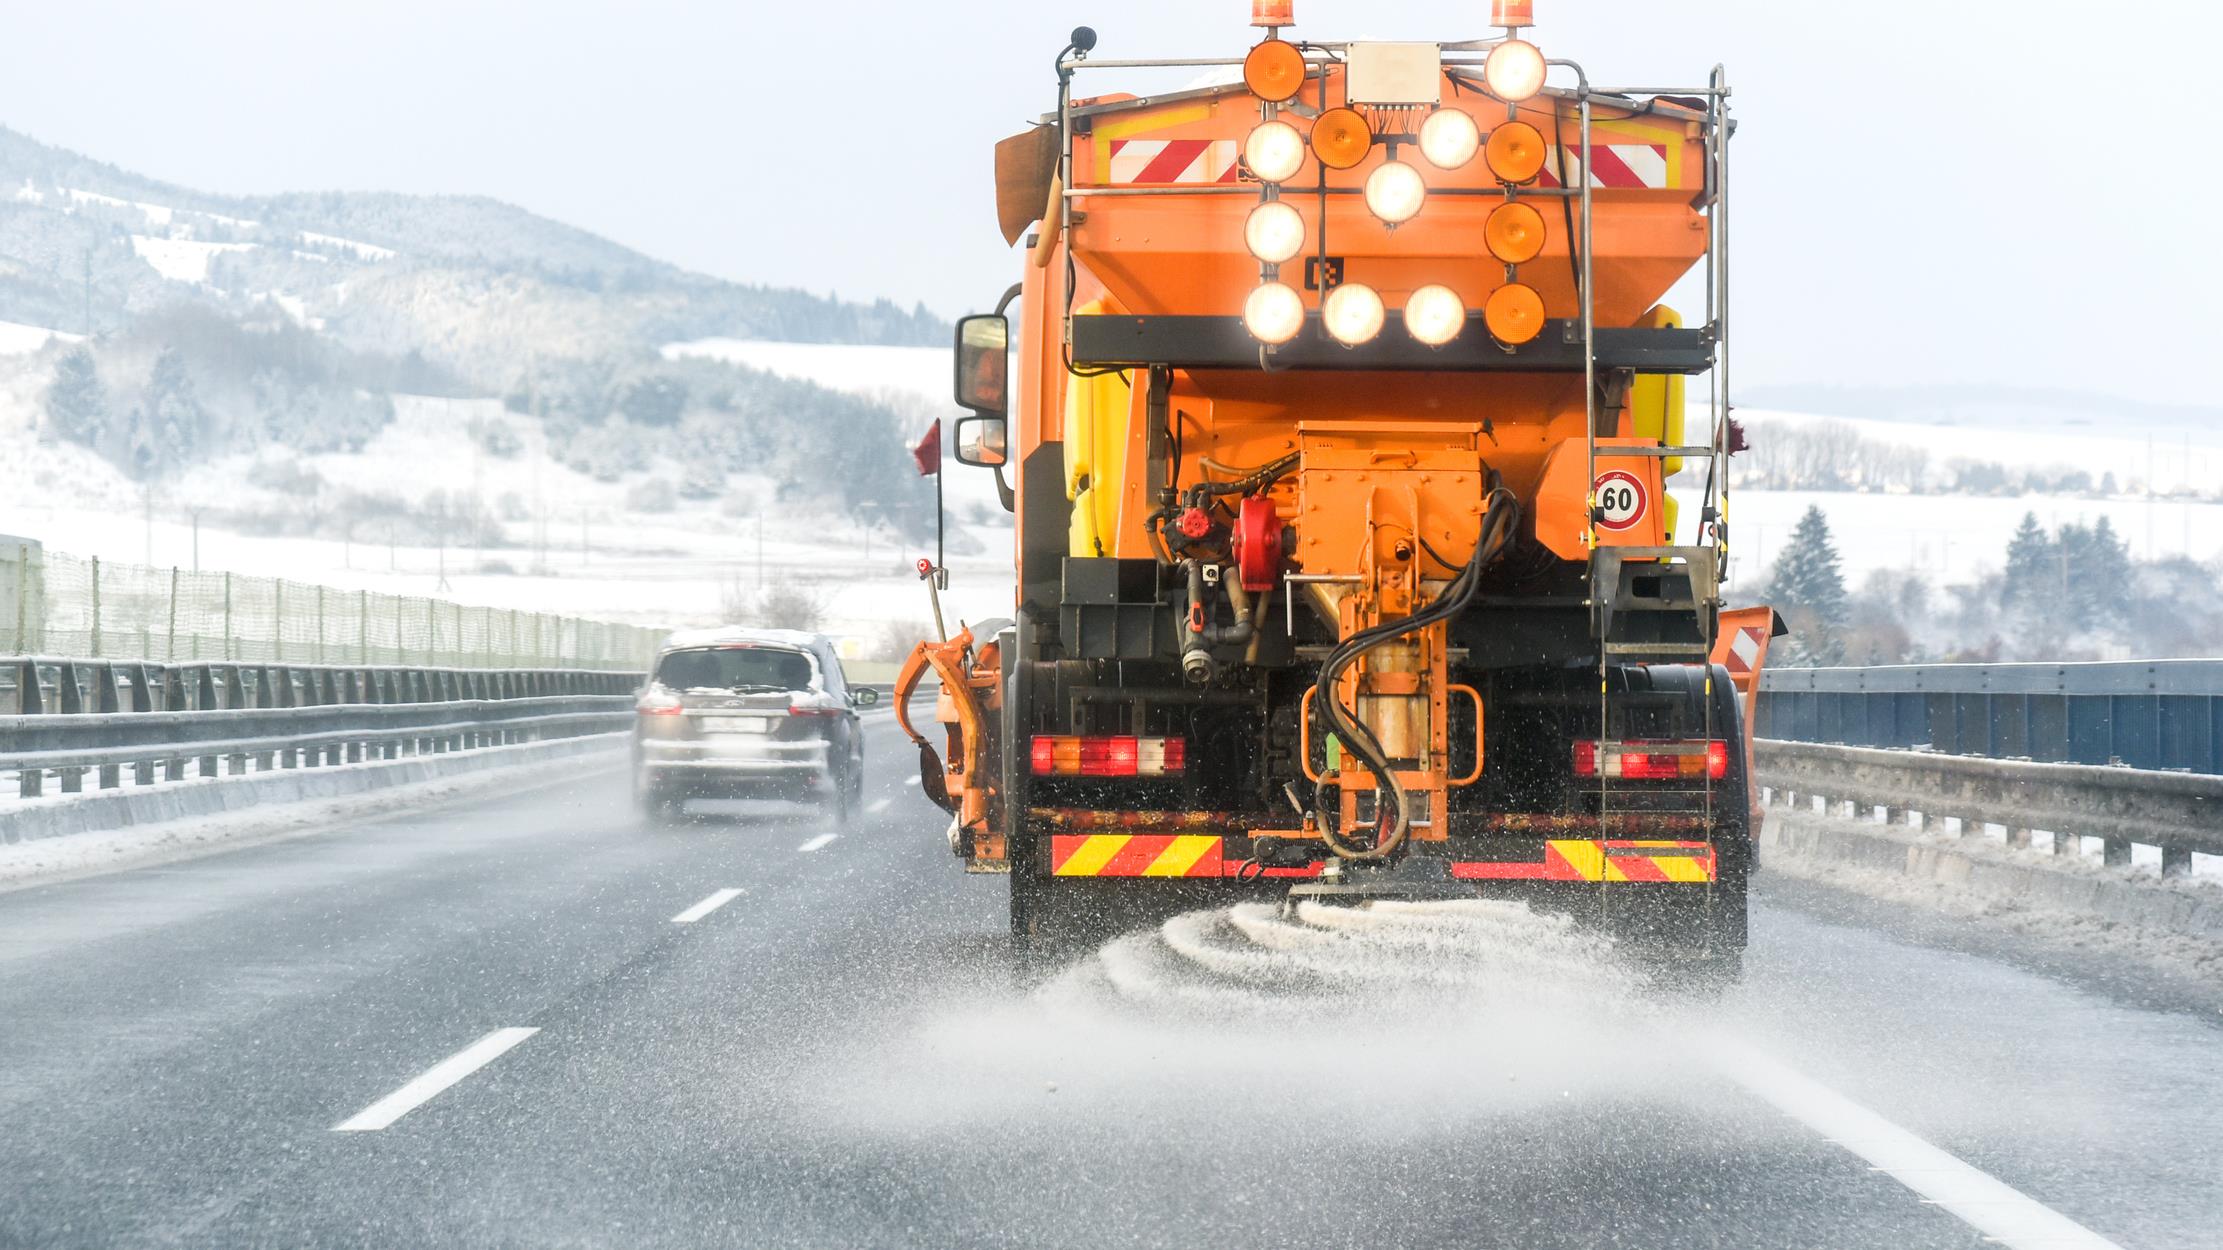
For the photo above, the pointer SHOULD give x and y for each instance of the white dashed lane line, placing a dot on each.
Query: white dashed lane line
(877, 806)
(911, 780)
(436, 1078)
(705, 907)
(819, 842)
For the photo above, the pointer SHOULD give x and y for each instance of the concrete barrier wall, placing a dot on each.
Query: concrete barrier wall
(2133, 897)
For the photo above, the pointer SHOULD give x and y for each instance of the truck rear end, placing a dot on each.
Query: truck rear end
(1366, 545)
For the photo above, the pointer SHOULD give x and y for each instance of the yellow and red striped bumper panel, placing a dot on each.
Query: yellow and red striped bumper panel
(1632, 861)
(1201, 855)
(1136, 855)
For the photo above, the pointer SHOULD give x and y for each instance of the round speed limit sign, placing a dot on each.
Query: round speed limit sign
(1622, 500)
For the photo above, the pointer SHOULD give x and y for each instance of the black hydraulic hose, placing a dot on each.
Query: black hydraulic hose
(1498, 523)
(1252, 484)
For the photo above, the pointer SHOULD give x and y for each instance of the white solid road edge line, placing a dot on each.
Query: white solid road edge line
(705, 907)
(816, 843)
(1994, 1208)
(441, 1075)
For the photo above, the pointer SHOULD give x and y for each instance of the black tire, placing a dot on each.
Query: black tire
(652, 802)
(845, 789)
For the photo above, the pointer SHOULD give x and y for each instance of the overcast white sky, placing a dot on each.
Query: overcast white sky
(2005, 191)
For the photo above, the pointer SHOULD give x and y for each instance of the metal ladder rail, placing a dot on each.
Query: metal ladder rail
(1712, 517)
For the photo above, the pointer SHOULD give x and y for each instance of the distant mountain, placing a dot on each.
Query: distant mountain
(196, 325)
(473, 284)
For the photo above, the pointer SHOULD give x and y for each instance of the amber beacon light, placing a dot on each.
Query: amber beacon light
(1272, 13)
(1514, 313)
(1514, 232)
(1514, 153)
(1341, 138)
(1274, 71)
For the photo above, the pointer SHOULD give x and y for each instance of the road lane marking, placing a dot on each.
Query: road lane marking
(911, 780)
(435, 1079)
(877, 806)
(818, 842)
(2002, 1213)
(705, 907)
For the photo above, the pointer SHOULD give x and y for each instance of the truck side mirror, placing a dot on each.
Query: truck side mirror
(982, 345)
(983, 385)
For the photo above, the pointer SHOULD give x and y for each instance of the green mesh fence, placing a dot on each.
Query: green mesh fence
(54, 604)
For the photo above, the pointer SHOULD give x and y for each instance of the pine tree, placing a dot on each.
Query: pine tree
(1808, 585)
(175, 423)
(76, 403)
(2030, 557)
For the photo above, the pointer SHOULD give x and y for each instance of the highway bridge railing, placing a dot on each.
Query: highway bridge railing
(2161, 715)
(66, 719)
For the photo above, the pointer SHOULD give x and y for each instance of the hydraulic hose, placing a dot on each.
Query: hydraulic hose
(1393, 824)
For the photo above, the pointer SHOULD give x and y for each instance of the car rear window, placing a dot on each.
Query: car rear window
(735, 668)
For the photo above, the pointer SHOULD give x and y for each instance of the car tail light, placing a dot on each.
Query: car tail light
(1064, 756)
(798, 709)
(1654, 761)
(658, 703)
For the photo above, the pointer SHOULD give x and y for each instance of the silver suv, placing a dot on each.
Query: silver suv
(748, 714)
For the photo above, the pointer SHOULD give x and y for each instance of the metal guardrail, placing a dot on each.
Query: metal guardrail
(2150, 714)
(51, 602)
(65, 718)
(2181, 813)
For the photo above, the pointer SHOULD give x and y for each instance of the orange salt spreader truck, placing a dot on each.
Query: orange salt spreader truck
(1364, 547)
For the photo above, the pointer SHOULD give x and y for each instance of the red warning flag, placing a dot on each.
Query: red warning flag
(928, 451)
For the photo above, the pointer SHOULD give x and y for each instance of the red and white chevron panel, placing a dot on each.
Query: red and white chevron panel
(1612, 166)
(1168, 161)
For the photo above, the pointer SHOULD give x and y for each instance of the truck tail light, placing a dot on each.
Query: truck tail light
(1654, 761)
(1066, 756)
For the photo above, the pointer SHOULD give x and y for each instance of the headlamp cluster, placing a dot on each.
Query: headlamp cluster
(1395, 193)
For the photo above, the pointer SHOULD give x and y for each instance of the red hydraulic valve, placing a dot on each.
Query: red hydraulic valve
(1257, 544)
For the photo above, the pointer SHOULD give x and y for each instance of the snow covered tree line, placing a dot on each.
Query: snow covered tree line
(2076, 593)
(610, 416)
(1833, 456)
(189, 383)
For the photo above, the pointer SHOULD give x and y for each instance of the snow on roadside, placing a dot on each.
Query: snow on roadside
(44, 861)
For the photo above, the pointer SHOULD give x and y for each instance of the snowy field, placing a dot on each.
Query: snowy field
(571, 544)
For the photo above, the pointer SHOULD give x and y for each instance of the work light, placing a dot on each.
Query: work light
(1274, 232)
(1274, 151)
(1435, 315)
(1353, 313)
(1273, 313)
(1514, 70)
(1394, 192)
(1449, 138)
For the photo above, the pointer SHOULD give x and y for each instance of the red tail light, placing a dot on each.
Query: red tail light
(1655, 761)
(1068, 756)
(799, 710)
(657, 703)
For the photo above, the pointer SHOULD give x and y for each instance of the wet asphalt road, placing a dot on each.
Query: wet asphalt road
(843, 1055)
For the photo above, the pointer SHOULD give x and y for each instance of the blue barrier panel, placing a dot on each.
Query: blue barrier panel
(2157, 714)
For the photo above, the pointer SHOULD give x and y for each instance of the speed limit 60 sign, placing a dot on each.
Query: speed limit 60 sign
(1623, 500)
